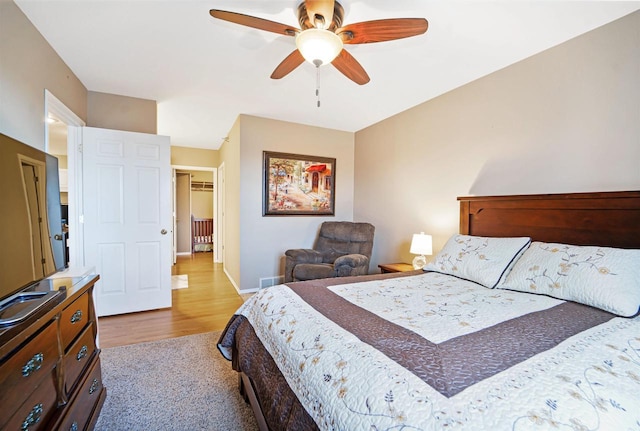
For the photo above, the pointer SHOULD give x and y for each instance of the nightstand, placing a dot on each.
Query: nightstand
(395, 267)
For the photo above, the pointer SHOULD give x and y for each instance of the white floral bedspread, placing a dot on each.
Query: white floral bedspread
(590, 381)
(439, 307)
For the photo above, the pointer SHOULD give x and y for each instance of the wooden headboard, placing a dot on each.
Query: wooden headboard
(605, 218)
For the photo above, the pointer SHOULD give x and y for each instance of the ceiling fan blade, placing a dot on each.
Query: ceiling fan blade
(350, 68)
(292, 61)
(252, 21)
(320, 12)
(382, 30)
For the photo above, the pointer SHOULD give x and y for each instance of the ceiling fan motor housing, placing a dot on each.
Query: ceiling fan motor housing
(305, 22)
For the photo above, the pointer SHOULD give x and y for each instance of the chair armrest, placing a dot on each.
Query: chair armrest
(352, 260)
(298, 255)
(351, 264)
(304, 255)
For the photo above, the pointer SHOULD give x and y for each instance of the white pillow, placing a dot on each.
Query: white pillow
(483, 260)
(603, 277)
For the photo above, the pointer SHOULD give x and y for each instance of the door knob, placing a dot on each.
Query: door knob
(163, 231)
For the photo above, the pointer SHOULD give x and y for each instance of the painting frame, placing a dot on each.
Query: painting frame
(298, 185)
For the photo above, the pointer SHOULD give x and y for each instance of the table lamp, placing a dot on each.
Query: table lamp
(421, 245)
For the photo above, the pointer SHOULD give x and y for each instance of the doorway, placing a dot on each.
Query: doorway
(194, 204)
(62, 139)
(195, 197)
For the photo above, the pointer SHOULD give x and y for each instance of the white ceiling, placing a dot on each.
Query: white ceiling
(205, 72)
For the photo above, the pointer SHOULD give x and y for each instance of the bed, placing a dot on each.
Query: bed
(201, 234)
(494, 334)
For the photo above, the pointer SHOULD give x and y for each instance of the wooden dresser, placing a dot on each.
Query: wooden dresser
(50, 375)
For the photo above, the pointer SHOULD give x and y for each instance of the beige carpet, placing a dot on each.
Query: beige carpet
(176, 384)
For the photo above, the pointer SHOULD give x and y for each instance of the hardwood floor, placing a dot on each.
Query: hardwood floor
(206, 305)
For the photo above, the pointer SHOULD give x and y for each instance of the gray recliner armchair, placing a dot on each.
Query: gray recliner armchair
(342, 249)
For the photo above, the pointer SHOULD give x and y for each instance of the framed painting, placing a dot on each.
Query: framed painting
(298, 185)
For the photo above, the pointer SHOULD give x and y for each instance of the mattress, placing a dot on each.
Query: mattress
(200, 247)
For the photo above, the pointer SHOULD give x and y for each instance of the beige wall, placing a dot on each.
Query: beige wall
(110, 111)
(206, 176)
(28, 66)
(185, 156)
(202, 204)
(262, 241)
(565, 120)
(230, 187)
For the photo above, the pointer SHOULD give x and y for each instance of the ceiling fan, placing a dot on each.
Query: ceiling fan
(321, 36)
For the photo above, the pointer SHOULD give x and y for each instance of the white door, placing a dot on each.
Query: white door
(127, 219)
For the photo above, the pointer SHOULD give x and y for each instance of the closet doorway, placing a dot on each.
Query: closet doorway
(195, 202)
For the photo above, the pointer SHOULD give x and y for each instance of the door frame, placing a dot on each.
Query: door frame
(216, 254)
(175, 214)
(53, 106)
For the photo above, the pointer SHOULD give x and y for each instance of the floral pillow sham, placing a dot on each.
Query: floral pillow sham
(603, 277)
(483, 260)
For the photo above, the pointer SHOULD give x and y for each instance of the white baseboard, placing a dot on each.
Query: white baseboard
(233, 282)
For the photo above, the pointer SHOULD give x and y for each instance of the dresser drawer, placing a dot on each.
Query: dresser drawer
(23, 371)
(78, 357)
(38, 409)
(73, 319)
(85, 402)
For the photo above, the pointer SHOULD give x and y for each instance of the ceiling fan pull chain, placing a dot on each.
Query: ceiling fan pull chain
(318, 84)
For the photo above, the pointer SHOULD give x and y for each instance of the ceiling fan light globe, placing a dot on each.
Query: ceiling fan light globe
(318, 46)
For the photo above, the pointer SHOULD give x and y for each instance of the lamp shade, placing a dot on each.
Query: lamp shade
(318, 46)
(421, 244)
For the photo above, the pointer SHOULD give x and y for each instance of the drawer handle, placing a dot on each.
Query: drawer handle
(94, 386)
(33, 417)
(82, 353)
(77, 316)
(33, 365)
(74, 426)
